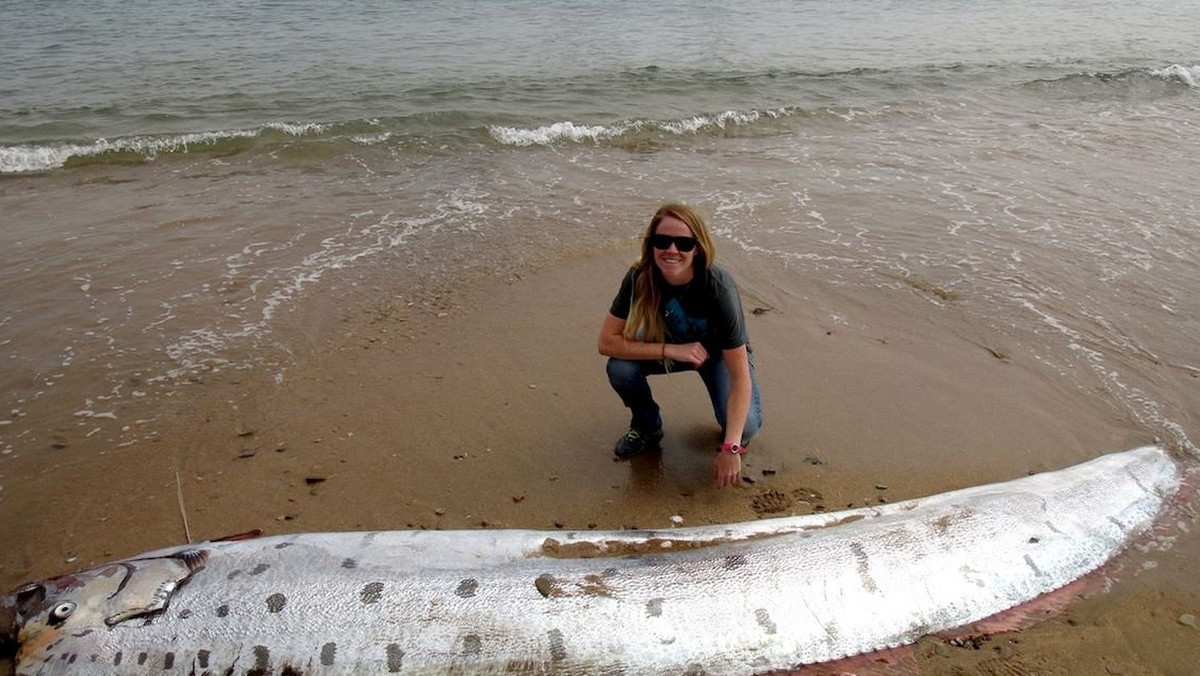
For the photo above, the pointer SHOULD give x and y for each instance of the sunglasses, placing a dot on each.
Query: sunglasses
(664, 242)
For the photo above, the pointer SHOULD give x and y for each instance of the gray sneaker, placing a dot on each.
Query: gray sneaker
(636, 441)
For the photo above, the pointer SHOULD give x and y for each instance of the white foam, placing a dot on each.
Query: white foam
(297, 128)
(559, 131)
(571, 132)
(1189, 75)
(28, 158)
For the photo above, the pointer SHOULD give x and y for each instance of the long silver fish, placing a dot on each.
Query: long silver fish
(735, 599)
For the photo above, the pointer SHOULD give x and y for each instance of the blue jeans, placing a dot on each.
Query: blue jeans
(631, 381)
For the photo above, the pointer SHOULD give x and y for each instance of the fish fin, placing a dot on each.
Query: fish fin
(150, 583)
(899, 661)
(248, 535)
(194, 559)
(1032, 612)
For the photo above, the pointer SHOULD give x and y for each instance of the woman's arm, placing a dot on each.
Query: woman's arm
(613, 343)
(728, 466)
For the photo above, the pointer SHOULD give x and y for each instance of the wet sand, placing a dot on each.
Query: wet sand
(489, 409)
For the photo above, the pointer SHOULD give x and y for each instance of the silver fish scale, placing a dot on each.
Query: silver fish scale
(762, 595)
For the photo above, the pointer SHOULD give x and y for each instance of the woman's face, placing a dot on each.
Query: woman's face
(675, 265)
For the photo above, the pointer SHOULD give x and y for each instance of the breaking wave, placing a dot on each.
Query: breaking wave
(1188, 76)
(570, 132)
(28, 158)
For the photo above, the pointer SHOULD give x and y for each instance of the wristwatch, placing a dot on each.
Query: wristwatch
(736, 449)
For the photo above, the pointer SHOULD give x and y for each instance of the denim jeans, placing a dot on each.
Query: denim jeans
(630, 379)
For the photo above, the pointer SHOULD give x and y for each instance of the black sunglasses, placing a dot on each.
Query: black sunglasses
(664, 242)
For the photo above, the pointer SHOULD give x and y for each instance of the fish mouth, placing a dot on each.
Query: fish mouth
(8, 631)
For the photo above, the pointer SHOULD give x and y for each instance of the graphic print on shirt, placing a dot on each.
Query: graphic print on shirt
(680, 326)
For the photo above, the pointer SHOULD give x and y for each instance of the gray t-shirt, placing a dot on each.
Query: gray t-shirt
(706, 310)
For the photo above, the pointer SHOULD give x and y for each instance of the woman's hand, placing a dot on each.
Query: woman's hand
(728, 468)
(691, 353)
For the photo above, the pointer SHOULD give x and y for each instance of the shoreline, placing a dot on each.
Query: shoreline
(493, 412)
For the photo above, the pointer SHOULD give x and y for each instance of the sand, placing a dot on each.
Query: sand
(489, 409)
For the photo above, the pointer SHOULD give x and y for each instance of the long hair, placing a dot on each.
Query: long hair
(644, 316)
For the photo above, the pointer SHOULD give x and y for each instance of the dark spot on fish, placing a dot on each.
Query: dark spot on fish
(260, 569)
(466, 588)
(349, 564)
(395, 658)
(185, 613)
(864, 569)
(1034, 541)
(276, 602)
(283, 545)
(472, 645)
(609, 572)
(72, 658)
(372, 592)
(289, 670)
(222, 611)
(94, 658)
(142, 658)
(764, 620)
(233, 574)
(202, 658)
(262, 658)
(83, 633)
(558, 651)
(1031, 564)
(328, 652)
(654, 607)
(169, 661)
(117, 659)
(734, 561)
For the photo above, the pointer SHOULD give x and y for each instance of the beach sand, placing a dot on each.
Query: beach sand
(488, 408)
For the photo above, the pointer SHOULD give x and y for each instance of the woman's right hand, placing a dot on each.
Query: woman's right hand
(691, 353)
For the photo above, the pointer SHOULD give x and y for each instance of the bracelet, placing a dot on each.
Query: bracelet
(736, 449)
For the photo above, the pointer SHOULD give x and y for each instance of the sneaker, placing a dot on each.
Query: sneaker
(636, 441)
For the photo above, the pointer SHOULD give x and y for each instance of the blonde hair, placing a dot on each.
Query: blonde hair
(644, 315)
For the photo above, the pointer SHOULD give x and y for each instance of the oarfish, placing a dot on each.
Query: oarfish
(730, 599)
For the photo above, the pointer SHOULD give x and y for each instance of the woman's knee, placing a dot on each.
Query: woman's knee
(623, 372)
(753, 423)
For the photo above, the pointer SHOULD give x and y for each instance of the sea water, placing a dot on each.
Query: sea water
(187, 188)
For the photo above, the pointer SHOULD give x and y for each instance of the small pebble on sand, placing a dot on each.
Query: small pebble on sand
(1188, 620)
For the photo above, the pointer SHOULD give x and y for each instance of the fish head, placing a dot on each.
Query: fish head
(34, 616)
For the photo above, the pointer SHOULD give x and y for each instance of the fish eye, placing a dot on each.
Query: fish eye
(62, 611)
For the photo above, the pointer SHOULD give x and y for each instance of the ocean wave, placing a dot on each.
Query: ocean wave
(1188, 76)
(29, 158)
(570, 132)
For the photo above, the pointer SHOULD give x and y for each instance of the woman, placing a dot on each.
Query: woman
(676, 311)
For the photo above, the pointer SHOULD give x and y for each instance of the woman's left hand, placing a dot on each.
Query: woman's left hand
(728, 468)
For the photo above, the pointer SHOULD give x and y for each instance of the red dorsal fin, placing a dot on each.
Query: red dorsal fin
(248, 535)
